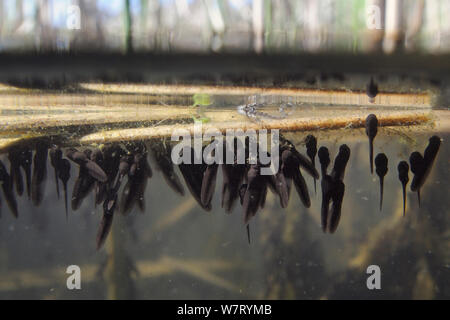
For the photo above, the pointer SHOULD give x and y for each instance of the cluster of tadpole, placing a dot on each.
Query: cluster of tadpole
(420, 165)
(103, 172)
(243, 181)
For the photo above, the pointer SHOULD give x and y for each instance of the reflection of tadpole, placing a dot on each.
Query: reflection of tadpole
(371, 132)
(381, 165)
(372, 90)
(403, 169)
(333, 188)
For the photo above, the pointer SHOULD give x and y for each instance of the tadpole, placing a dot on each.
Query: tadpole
(372, 90)
(324, 158)
(403, 170)
(371, 131)
(381, 164)
(311, 151)
(417, 167)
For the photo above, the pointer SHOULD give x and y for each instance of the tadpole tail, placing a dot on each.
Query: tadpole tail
(248, 233)
(65, 201)
(315, 188)
(371, 154)
(57, 183)
(418, 196)
(404, 199)
(381, 192)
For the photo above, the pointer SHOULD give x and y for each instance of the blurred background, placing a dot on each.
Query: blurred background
(225, 25)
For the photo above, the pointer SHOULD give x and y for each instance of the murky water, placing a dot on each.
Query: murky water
(169, 239)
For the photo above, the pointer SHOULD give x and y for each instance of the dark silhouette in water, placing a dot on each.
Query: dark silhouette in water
(254, 192)
(15, 173)
(64, 175)
(133, 192)
(109, 206)
(381, 165)
(193, 176)
(417, 168)
(233, 176)
(403, 170)
(421, 166)
(99, 186)
(340, 162)
(162, 157)
(104, 170)
(333, 188)
(55, 157)
(371, 132)
(311, 151)
(39, 173)
(290, 167)
(372, 90)
(324, 158)
(25, 161)
(8, 192)
(62, 172)
(84, 182)
(83, 159)
(208, 184)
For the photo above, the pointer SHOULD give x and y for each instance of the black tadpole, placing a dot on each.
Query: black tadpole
(248, 233)
(324, 158)
(381, 164)
(372, 90)
(311, 151)
(403, 169)
(64, 175)
(417, 167)
(55, 156)
(371, 131)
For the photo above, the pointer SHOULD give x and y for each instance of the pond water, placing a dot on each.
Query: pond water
(171, 236)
